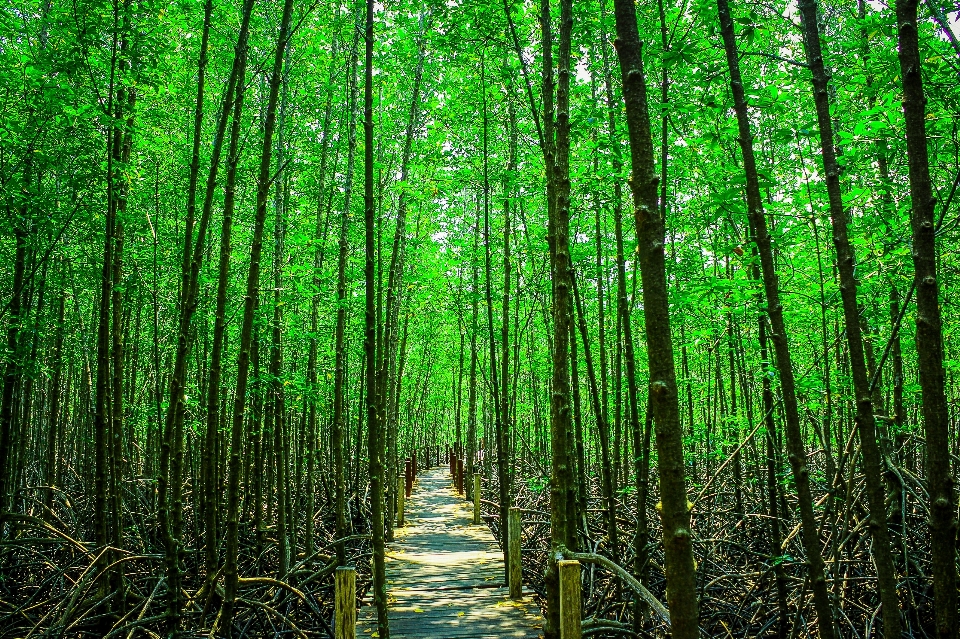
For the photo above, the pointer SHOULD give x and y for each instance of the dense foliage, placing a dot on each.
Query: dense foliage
(184, 215)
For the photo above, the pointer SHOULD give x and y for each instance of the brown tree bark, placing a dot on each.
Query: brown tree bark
(171, 449)
(386, 376)
(375, 447)
(210, 483)
(52, 464)
(760, 235)
(230, 570)
(340, 423)
(563, 494)
(651, 235)
(941, 485)
(474, 328)
(603, 429)
(846, 259)
(504, 448)
(12, 371)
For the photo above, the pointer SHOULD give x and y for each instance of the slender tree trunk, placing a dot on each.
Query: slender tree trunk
(650, 226)
(126, 102)
(941, 484)
(732, 341)
(583, 498)
(624, 318)
(458, 395)
(503, 471)
(374, 427)
(12, 375)
(101, 406)
(230, 570)
(171, 451)
(899, 418)
(865, 423)
(773, 502)
(504, 448)
(281, 443)
(563, 493)
(211, 485)
(336, 437)
(474, 328)
(340, 373)
(603, 430)
(795, 443)
(387, 372)
(52, 465)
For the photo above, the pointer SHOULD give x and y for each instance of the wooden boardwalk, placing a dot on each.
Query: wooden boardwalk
(445, 576)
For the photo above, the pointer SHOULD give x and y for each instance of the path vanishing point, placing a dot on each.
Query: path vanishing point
(445, 575)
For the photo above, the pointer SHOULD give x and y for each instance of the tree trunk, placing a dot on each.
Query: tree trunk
(650, 226)
(211, 485)
(795, 443)
(52, 465)
(12, 375)
(563, 493)
(250, 299)
(171, 449)
(474, 328)
(340, 423)
(374, 427)
(941, 484)
(385, 376)
(865, 423)
(603, 430)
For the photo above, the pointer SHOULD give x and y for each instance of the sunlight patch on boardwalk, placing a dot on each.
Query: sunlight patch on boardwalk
(445, 577)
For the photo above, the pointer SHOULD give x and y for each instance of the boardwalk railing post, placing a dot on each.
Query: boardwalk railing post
(476, 498)
(408, 470)
(569, 599)
(401, 484)
(345, 606)
(514, 533)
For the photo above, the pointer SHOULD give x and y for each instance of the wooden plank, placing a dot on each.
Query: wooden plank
(345, 589)
(569, 599)
(445, 574)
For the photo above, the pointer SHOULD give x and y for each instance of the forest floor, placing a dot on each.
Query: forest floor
(445, 576)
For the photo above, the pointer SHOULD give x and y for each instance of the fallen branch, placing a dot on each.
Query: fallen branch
(632, 582)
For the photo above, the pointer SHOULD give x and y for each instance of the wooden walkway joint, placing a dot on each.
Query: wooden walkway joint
(445, 574)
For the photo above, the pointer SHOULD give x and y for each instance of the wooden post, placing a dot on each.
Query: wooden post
(345, 606)
(569, 599)
(460, 475)
(401, 502)
(476, 498)
(408, 473)
(514, 532)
